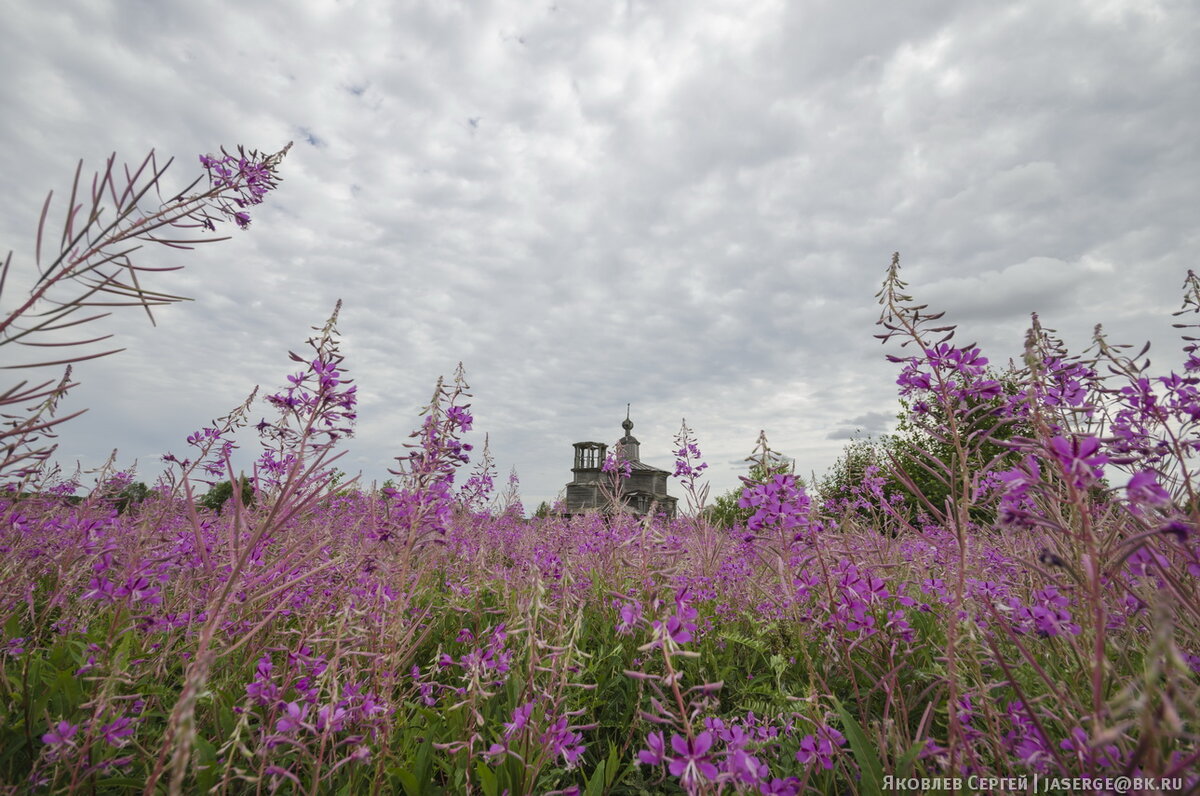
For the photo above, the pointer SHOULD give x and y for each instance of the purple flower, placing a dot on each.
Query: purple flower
(332, 717)
(744, 766)
(140, 589)
(631, 613)
(264, 692)
(360, 754)
(460, 417)
(242, 181)
(293, 718)
(117, 732)
(780, 502)
(1048, 616)
(692, 766)
(679, 627)
(1080, 458)
(1026, 741)
(913, 380)
(561, 741)
(656, 752)
(60, 734)
(780, 787)
(1144, 489)
(520, 718)
(820, 747)
(1108, 755)
(618, 465)
(100, 589)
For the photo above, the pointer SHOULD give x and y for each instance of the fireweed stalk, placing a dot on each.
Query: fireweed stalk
(689, 468)
(316, 411)
(1083, 425)
(951, 389)
(420, 509)
(89, 266)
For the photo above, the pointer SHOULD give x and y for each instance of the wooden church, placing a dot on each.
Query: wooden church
(643, 492)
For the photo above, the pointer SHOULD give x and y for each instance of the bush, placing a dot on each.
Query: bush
(221, 492)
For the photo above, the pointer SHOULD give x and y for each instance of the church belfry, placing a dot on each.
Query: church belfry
(589, 455)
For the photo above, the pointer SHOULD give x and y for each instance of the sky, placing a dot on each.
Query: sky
(687, 206)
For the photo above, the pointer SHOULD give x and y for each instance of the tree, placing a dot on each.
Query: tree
(217, 496)
(902, 467)
(131, 496)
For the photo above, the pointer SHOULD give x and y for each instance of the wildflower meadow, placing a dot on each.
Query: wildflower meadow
(1003, 597)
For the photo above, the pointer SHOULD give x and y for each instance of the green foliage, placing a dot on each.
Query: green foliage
(131, 496)
(216, 497)
(903, 461)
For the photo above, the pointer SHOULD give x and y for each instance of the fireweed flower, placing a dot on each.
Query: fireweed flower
(631, 614)
(780, 787)
(520, 718)
(246, 181)
(1026, 741)
(1016, 506)
(1080, 459)
(60, 734)
(139, 589)
(460, 417)
(743, 766)
(678, 627)
(100, 589)
(561, 741)
(1107, 756)
(1047, 616)
(117, 732)
(655, 753)
(293, 718)
(820, 747)
(1144, 489)
(263, 690)
(692, 766)
(333, 717)
(780, 502)
(617, 465)
(683, 462)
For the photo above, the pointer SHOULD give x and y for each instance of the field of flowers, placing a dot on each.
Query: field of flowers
(1040, 622)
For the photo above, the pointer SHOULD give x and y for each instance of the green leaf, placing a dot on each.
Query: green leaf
(487, 779)
(206, 764)
(407, 781)
(121, 655)
(865, 754)
(424, 760)
(611, 766)
(597, 781)
(67, 688)
(904, 765)
(225, 720)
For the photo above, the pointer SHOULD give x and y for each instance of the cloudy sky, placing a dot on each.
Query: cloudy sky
(681, 204)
